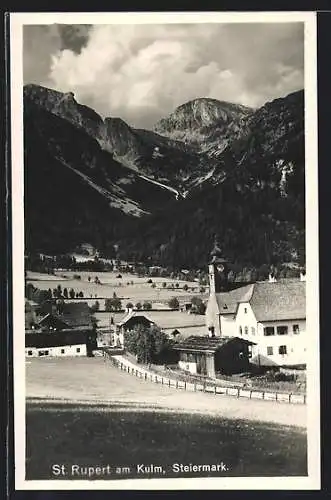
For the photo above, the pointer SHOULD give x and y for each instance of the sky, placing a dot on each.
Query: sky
(141, 73)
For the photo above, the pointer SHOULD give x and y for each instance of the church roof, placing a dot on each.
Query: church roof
(281, 300)
(228, 301)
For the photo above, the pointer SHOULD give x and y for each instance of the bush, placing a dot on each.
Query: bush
(138, 306)
(185, 287)
(173, 303)
(95, 307)
(147, 306)
(77, 277)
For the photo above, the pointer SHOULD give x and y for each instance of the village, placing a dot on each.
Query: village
(231, 334)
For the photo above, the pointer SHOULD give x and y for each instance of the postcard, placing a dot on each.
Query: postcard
(165, 250)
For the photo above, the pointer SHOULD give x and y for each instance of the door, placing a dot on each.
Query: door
(201, 364)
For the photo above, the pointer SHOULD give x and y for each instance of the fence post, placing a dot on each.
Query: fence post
(145, 375)
(215, 390)
(195, 387)
(162, 380)
(176, 384)
(238, 392)
(250, 394)
(185, 385)
(169, 382)
(204, 386)
(304, 399)
(276, 396)
(289, 397)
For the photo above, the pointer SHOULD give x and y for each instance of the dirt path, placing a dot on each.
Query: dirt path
(94, 379)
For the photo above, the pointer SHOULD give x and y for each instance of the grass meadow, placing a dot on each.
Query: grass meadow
(129, 288)
(84, 411)
(125, 435)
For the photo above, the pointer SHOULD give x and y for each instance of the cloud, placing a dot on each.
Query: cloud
(143, 72)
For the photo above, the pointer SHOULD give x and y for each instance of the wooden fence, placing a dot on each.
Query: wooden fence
(238, 392)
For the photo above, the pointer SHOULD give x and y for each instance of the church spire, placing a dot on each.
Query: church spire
(218, 269)
(216, 255)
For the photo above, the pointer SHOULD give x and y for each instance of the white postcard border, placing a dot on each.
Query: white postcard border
(312, 481)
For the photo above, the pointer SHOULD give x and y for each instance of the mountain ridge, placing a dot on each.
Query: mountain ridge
(245, 167)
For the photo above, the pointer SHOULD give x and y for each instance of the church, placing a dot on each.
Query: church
(272, 314)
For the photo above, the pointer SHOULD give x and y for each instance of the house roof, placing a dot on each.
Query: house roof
(207, 344)
(75, 314)
(228, 301)
(133, 314)
(281, 300)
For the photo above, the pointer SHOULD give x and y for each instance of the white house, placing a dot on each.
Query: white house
(271, 314)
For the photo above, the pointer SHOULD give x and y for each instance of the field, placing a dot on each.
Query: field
(84, 411)
(139, 291)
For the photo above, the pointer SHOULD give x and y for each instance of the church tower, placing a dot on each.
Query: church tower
(217, 270)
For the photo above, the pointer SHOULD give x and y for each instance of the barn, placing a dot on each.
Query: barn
(205, 355)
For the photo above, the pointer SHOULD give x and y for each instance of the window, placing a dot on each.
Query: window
(282, 330)
(246, 330)
(211, 331)
(62, 351)
(270, 350)
(240, 330)
(253, 330)
(282, 349)
(78, 349)
(269, 330)
(296, 329)
(46, 353)
(29, 353)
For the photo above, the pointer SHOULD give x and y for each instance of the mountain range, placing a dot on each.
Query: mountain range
(209, 168)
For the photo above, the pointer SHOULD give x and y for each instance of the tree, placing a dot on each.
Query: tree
(81, 295)
(108, 305)
(138, 306)
(164, 285)
(173, 303)
(185, 287)
(177, 285)
(147, 306)
(147, 344)
(202, 289)
(72, 293)
(113, 304)
(129, 305)
(65, 293)
(198, 306)
(153, 285)
(95, 307)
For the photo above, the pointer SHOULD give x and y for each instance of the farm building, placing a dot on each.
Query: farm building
(173, 323)
(65, 332)
(208, 355)
(271, 313)
(69, 315)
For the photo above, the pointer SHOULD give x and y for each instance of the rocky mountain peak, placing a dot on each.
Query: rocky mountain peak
(193, 121)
